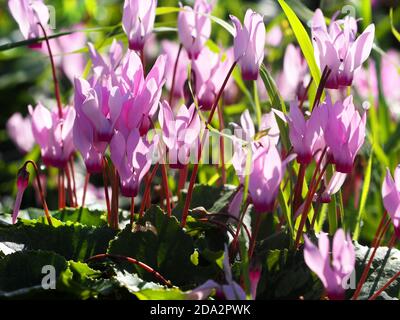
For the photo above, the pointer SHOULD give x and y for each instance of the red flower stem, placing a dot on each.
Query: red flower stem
(310, 194)
(132, 210)
(171, 92)
(85, 185)
(114, 200)
(299, 187)
(69, 186)
(364, 275)
(222, 146)
(377, 233)
(182, 179)
(141, 54)
(254, 236)
(166, 187)
(147, 190)
(53, 70)
(387, 284)
(41, 193)
(135, 262)
(196, 165)
(239, 227)
(61, 190)
(71, 162)
(106, 195)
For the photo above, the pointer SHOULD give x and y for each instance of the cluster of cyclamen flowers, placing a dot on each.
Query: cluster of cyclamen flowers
(116, 107)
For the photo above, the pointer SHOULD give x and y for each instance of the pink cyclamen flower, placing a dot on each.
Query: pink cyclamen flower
(19, 129)
(249, 43)
(246, 132)
(131, 157)
(170, 49)
(306, 136)
(180, 133)
(210, 71)
(22, 184)
(344, 133)
(338, 48)
(391, 198)
(138, 21)
(390, 77)
(28, 13)
(143, 94)
(293, 81)
(95, 103)
(54, 135)
(97, 111)
(194, 27)
(231, 290)
(332, 267)
(265, 178)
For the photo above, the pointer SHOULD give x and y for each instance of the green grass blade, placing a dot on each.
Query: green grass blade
(364, 195)
(305, 44)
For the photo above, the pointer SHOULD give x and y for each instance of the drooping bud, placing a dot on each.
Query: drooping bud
(22, 184)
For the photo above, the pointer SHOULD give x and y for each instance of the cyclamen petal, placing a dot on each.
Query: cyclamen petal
(391, 198)
(28, 13)
(338, 49)
(194, 27)
(333, 268)
(138, 21)
(344, 133)
(249, 43)
(56, 144)
(19, 130)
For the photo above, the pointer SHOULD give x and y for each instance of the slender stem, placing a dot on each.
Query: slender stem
(69, 186)
(222, 146)
(87, 177)
(254, 236)
(41, 193)
(303, 98)
(238, 228)
(147, 190)
(166, 187)
(189, 194)
(196, 165)
(53, 70)
(132, 210)
(61, 191)
(71, 162)
(114, 200)
(387, 284)
(135, 262)
(215, 105)
(313, 186)
(142, 59)
(299, 187)
(364, 275)
(171, 92)
(379, 229)
(106, 195)
(182, 179)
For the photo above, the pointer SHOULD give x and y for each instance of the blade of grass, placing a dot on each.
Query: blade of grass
(363, 199)
(305, 44)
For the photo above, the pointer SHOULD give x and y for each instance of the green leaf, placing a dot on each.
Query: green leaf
(305, 45)
(276, 102)
(84, 216)
(159, 242)
(21, 273)
(166, 10)
(394, 31)
(73, 241)
(364, 195)
(286, 276)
